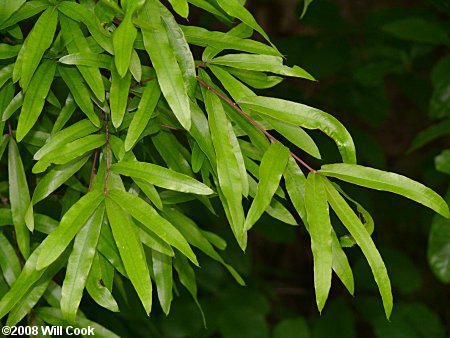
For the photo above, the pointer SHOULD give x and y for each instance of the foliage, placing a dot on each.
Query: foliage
(111, 124)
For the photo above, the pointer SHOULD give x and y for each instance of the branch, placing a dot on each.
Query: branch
(256, 124)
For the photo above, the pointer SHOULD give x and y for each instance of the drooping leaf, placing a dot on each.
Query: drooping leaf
(55, 243)
(341, 265)
(79, 265)
(66, 113)
(162, 269)
(386, 181)
(35, 97)
(320, 231)
(87, 59)
(8, 51)
(181, 7)
(131, 252)
(271, 169)
(36, 43)
(19, 197)
(120, 87)
(9, 262)
(161, 177)
(8, 7)
(306, 117)
(430, 134)
(123, 40)
(211, 8)
(364, 241)
(145, 214)
(170, 77)
(439, 248)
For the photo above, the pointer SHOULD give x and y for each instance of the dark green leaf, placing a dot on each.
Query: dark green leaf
(162, 269)
(123, 40)
(439, 248)
(9, 262)
(417, 30)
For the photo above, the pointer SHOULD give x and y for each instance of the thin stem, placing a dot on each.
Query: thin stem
(10, 132)
(252, 121)
(108, 155)
(94, 163)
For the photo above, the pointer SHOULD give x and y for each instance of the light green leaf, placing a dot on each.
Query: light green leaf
(256, 79)
(212, 8)
(99, 293)
(34, 100)
(162, 269)
(306, 117)
(76, 42)
(149, 239)
(80, 92)
(135, 66)
(320, 231)
(9, 262)
(202, 37)
(8, 51)
(271, 169)
(235, 9)
(13, 106)
(227, 167)
(386, 181)
(150, 191)
(8, 7)
(55, 178)
(176, 159)
(19, 197)
(107, 247)
(181, 7)
(131, 252)
(83, 15)
(55, 243)
(145, 214)
(6, 73)
(70, 151)
(120, 87)
(123, 40)
(27, 10)
(79, 265)
(87, 59)
(36, 43)
(65, 114)
(170, 77)
(264, 63)
(341, 265)
(364, 241)
(161, 177)
(74, 132)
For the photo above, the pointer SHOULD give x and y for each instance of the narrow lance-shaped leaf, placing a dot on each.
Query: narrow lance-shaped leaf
(341, 266)
(36, 43)
(66, 113)
(87, 59)
(120, 87)
(79, 265)
(6, 73)
(162, 269)
(227, 167)
(27, 10)
(364, 241)
(55, 243)
(271, 169)
(34, 99)
(8, 7)
(163, 59)
(181, 7)
(145, 214)
(131, 252)
(9, 262)
(307, 117)
(320, 231)
(123, 40)
(19, 197)
(386, 181)
(161, 177)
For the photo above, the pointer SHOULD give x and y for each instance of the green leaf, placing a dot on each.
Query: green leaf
(364, 241)
(8, 51)
(55, 178)
(107, 247)
(150, 191)
(65, 114)
(99, 293)
(306, 117)
(135, 66)
(162, 269)
(264, 63)
(170, 77)
(123, 40)
(320, 231)
(36, 43)
(80, 92)
(161, 177)
(439, 248)
(417, 30)
(83, 15)
(87, 59)
(306, 4)
(235, 9)
(19, 197)
(386, 181)
(271, 169)
(6, 73)
(212, 8)
(55, 243)
(74, 132)
(442, 162)
(227, 167)
(202, 37)
(145, 214)
(79, 265)
(76, 42)
(34, 99)
(27, 10)
(131, 251)
(70, 151)
(9, 262)
(256, 79)
(151, 240)
(429, 134)
(8, 7)
(181, 7)
(196, 237)
(341, 265)
(120, 87)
